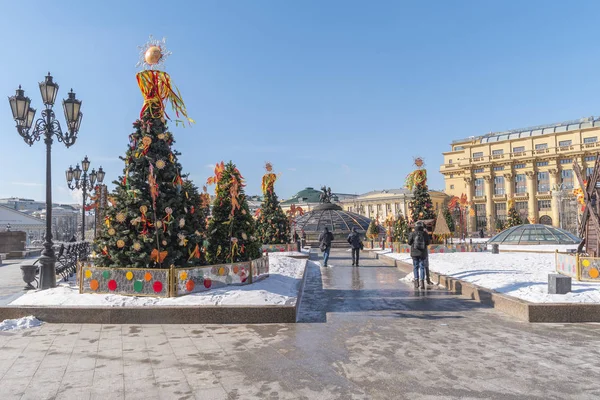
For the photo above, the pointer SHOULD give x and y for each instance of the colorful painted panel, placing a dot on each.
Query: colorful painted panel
(441, 248)
(566, 264)
(589, 268)
(274, 248)
(124, 281)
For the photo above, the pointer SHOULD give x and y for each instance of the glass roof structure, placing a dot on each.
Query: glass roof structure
(333, 217)
(534, 234)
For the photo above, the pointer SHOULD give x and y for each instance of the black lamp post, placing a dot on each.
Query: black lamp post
(84, 182)
(48, 127)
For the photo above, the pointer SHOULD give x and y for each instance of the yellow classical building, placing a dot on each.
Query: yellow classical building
(531, 166)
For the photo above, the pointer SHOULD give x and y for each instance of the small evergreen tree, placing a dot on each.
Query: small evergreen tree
(421, 206)
(231, 229)
(499, 225)
(401, 229)
(514, 218)
(373, 229)
(449, 219)
(272, 226)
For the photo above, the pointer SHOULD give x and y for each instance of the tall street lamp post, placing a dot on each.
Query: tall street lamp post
(48, 127)
(84, 182)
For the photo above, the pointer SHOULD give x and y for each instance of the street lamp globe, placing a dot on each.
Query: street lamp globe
(49, 90)
(72, 108)
(69, 174)
(30, 118)
(101, 174)
(19, 105)
(77, 173)
(85, 164)
(93, 176)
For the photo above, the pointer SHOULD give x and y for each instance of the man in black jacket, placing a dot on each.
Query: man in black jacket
(418, 241)
(325, 239)
(356, 243)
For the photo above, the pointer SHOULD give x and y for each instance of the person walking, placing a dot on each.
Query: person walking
(325, 239)
(418, 241)
(355, 241)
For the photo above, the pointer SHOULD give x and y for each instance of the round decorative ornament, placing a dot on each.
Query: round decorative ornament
(143, 209)
(153, 55)
(112, 231)
(161, 136)
(160, 164)
(169, 210)
(121, 217)
(146, 140)
(181, 223)
(164, 242)
(120, 243)
(137, 246)
(159, 224)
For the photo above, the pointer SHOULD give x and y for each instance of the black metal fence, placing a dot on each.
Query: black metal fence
(67, 257)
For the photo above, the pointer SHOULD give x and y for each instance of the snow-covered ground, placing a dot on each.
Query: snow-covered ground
(21, 323)
(279, 288)
(542, 248)
(522, 275)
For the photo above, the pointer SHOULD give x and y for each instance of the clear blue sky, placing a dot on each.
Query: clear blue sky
(342, 93)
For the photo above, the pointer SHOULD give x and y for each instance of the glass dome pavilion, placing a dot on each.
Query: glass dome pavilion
(332, 216)
(534, 234)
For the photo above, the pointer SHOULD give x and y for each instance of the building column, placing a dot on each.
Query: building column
(471, 222)
(489, 204)
(532, 211)
(555, 202)
(509, 186)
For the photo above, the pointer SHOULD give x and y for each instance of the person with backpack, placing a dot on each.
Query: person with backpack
(418, 241)
(325, 239)
(356, 243)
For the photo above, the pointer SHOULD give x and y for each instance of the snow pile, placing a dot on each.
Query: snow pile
(21, 323)
(279, 288)
(521, 275)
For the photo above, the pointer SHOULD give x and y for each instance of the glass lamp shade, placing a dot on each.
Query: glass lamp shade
(85, 164)
(93, 177)
(69, 174)
(74, 126)
(19, 105)
(72, 106)
(77, 173)
(30, 118)
(101, 174)
(49, 90)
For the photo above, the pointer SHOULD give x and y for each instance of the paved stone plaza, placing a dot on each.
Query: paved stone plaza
(362, 335)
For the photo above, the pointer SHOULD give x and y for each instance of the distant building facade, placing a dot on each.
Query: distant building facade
(531, 166)
(309, 197)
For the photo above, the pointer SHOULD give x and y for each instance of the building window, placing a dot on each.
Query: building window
(449, 161)
(519, 149)
(451, 175)
(564, 143)
(479, 187)
(566, 161)
(592, 139)
(589, 171)
(520, 183)
(590, 158)
(543, 184)
(451, 186)
(541, 146)
(500, 211)
(543, 205)
(499, 168)
(388, 208)
(478, 154)
(480, 216)
(498, 152)
(521, 207)
(519, 166)
(567, 178)
(499, 185)
(542, 163)
(477, 170)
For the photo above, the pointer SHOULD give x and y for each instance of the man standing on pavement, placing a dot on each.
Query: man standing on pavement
(325, 239)
(356, 243)
(418, 241)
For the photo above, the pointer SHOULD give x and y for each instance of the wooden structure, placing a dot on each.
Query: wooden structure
(590, 221)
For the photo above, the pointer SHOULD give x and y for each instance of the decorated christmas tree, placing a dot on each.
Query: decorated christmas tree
(441, 232)
(373, 229)
(231, 227)
(401, 229)
(513, 218)
(156, 219)
(421, 206)
(272, 225)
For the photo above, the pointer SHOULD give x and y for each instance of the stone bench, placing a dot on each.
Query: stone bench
(559, 284)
